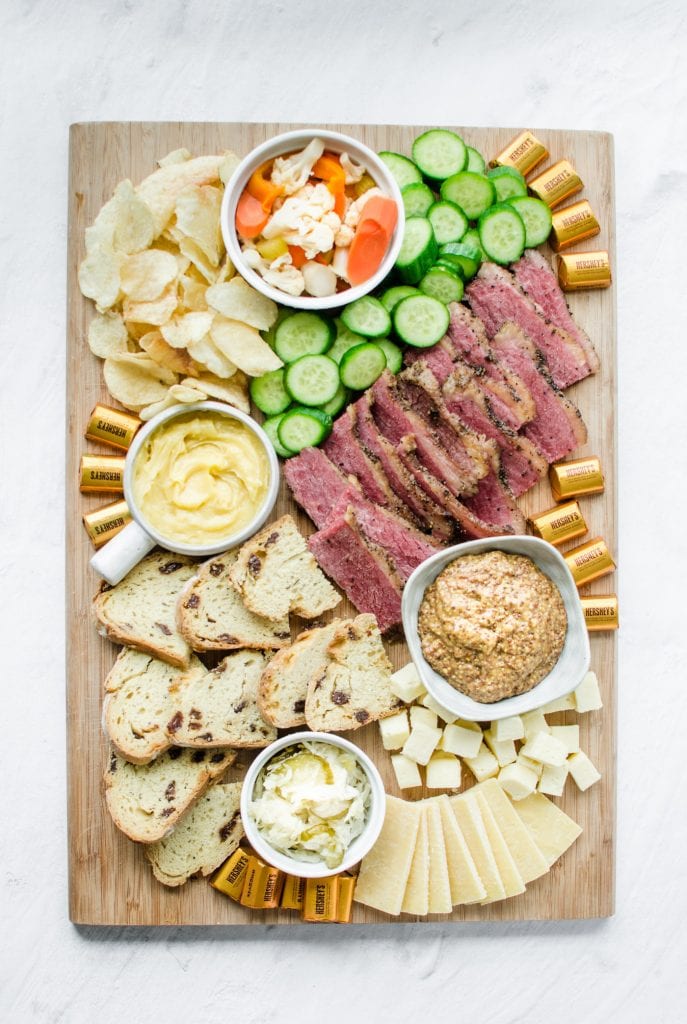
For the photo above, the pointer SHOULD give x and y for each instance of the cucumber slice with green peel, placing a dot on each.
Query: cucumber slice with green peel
(303, 334)
(402, 169)
(336, 404)
(269, 393)
(361, 366)
(508, 182)
(418, 250)
(536, 216)
(367, 316)
(452, 268)
(392, 296)
(474, 193)
(345, 339)
(471, 237)
(421, 320)
(439, 153)
(417, 199)
(476, 161)
(394, 356)
(502, 233)
(271, 428)
(270, 334)
(448, 221)
(464, 256)
(442, 284)
(303, 428)
(312, 380)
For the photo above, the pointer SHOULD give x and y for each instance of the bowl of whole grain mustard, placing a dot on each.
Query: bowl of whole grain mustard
(495, 627)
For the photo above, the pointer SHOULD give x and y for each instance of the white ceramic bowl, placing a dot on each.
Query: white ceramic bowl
(291, 142)
(360, 845)
(566, 674)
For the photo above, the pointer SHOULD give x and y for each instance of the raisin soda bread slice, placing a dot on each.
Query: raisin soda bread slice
(355, 686)
(146, 800)
(283, 684)
(212, 617)
(275, 574)
(202, 840)
(221, 708)
(141, 693)
(140, 611)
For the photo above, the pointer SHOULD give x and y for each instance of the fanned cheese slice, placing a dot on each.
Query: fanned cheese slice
(510, 876)
(466, 885)
(552, 830)
(529, 859)
(470, 822)
(439, 885)
(416, 899)
(384, 871)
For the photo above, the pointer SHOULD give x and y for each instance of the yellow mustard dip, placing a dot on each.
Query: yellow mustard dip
(200, 478)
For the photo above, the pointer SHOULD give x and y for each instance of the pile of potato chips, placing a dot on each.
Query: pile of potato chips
(174, 322)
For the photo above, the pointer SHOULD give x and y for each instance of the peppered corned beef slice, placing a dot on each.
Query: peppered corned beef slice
(439, 359)
(495, 505)
(316, 484)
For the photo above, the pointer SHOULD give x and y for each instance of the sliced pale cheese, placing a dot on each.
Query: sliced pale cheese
(384, 871)
(582, 770)
(406, 683)
(587, 695)
(512, 728)
(466, 884)
(552, 830)
(544, 748)
(534, 722)
(484, 765)
(467, 814)
(439, 885)
(529, 859)
(394, 730)
(406, 771)
(429, 702)
(503, 750)
(566, 703)
(518, 781)
(443, 771)
(421, 743)
(462, 738)
(416, 897)
(423, 715)
(526, 762)
(552, 781)
(568, 735)
(508, 870)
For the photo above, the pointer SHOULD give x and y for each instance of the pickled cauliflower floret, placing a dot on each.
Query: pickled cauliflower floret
(344, 236)
(353, 171)
(292, 172)
(306, 219)
(320, 280)
(280, 273)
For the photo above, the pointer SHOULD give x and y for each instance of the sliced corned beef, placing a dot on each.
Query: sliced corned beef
(534, 275)
(496, 299)
(439, 359)
(494, 504)
(316, 484)
(558, 428)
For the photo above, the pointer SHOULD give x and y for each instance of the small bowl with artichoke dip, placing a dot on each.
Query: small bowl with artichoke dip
(312, 804)
(495, 627)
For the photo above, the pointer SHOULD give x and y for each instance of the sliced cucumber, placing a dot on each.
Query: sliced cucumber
(471, 237)
(537, 217)
(421, 320)
(312, 380)
(394, 356)
(463, 255)
(502, 233)
(303, 428)
(402, 169)
(476, 161)
(453, 268)
(472, 192)
(367, 316)
(508, 182)
(448, 221)
(361, 366)
(417, 199)
(336, 404)
(442, 284)
(271, 428)
(439, 153)
(269, 394)
(392, 296)
(418, 251)
(303, 334)
(345, 339)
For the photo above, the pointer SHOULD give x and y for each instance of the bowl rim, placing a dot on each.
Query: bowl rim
(556, 683)
(293, 140)
(360, 845)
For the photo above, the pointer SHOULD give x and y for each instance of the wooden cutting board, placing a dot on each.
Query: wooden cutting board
(110, 882)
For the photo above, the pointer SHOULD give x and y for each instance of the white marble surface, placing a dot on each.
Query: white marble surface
(612, 66)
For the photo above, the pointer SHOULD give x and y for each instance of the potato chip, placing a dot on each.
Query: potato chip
(107, 335)
(186, 329)
(161, 188)
(192, 294)
(229, 163)
(176, 359)
(145, 275)
(206, 353)
(177, 156)
(244, 347)
(226, 271)
(236, 300)
(155, 313)
(135, 380)
(134, 227)
(197, 215)
(177, 394)
(99, 277)
(199, 260)
(234, 391)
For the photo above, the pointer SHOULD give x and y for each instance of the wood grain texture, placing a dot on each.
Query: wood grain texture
(110, 882)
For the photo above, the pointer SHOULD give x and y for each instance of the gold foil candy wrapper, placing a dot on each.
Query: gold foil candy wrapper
(589, 561)
(293, 894)
(556, 184)
(344, 903)
(321, 899)
(230, 878)
(105, 522)
(564, 522)
(580, 270)
(524, 153)
(600, 613)
(101, 473)
(577, 478)
(113, 427)
(573, 224)
(263, 885)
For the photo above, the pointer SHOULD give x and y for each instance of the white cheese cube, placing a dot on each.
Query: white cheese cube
(517, 781)
(394, 730)
(552, 781)
(587, 695)
(582, 770)
(484, 765)
(424, 715)
(534, 722)
(421, 743)
(462, 738)
(512, 728)
(406, 683)
(406, 771)
(569, 735)
(429, 702)
(503, 750)
(544, 748)
(443, 771)
(566, 703)
(534, 766)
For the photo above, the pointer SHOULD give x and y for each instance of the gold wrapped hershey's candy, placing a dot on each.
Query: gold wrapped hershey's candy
(344, 902)
(523, 153)
(580, 270)
(564, 522)
(577, 478)
(589, 561)
(556, 184)
(573, 224)
(293, 894)
(600, 613)
(101, 473)
(230, 878)
(112, 426)
(321, 899)
(107, 521)
(263, 885)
